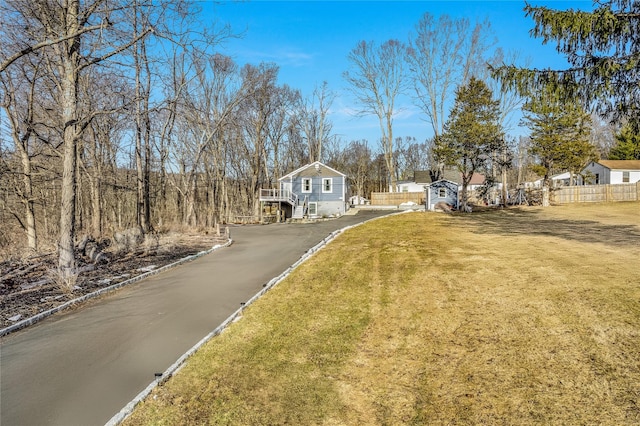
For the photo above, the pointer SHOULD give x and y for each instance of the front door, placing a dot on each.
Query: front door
(286, 188)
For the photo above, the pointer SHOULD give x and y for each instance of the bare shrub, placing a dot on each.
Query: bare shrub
(65, 280)
(151, 243)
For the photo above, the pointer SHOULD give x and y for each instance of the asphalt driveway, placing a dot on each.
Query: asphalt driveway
(82, 367)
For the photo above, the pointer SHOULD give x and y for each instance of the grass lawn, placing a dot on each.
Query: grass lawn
(522, 316)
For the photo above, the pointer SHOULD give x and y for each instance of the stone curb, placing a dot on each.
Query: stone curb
(175, 367)
(39, 317)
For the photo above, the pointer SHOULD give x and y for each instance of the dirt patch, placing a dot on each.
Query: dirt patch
(31, 285)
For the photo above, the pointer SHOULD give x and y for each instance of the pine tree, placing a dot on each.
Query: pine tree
(627, 145)
(472, 133)
(603, 48)
(559, 136)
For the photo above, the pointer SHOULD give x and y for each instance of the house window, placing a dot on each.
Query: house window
(442, 192)
(306, 184)
(597, 178)
(313, 209)
(405, 189)
(625, 177)
(327, 183)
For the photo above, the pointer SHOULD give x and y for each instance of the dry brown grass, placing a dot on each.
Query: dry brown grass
(523, 316)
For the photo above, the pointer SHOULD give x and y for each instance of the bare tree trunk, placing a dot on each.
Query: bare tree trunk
(69, 102)
(66, 259)
(387, 138)
(96, 206)
(505, 190)
(140, 204)
(30, 218)
(143, 127)
(21, 143)
(545, 194)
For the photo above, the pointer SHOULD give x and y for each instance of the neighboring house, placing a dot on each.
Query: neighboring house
(408, 186)
(477, 181)
(561, 179)
(422, 178)
(315, 190)
(442, 190)
(605, 172)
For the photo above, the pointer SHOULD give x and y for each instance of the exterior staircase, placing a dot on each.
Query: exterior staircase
(298, 212)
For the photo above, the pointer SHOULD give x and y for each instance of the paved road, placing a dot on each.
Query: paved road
(82, 367)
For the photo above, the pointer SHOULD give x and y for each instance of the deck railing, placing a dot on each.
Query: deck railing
(279, 195)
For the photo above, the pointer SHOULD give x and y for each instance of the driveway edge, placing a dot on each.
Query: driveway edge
(175, 367)
(42, 315)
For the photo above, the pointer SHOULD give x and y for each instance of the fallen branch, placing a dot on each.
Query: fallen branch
(14, 274)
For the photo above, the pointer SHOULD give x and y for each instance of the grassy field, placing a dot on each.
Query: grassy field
(524, 316)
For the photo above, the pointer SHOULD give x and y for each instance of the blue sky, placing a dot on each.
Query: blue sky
(310, 41)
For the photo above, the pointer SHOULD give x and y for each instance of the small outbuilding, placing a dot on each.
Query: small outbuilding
(442, 191)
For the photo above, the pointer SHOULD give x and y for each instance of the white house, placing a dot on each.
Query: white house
(422, 179)
(605, 172)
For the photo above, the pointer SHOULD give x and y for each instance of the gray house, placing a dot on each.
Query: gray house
(315, 190)
(442, 190)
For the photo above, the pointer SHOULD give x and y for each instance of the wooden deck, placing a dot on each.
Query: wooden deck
(278, 195)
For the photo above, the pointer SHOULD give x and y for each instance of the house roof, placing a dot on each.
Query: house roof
(443, 182)
(421, 176)
(311, 170)
(476, 179)
(621, 164)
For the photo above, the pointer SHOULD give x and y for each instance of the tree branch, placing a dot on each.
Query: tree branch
(118, 50)
(11, 59)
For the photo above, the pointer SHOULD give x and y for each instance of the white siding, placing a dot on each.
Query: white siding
(601, 172)
(616, 176)
(408, 187)
(607, 176)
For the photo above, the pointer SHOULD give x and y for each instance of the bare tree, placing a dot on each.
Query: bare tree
(413, 156)
(376, 80)
(444, 53)
(140, 14)
(257, 111)
(358, 167)
(101, 93)
(21, 117)
(76, 35)
(313, 117)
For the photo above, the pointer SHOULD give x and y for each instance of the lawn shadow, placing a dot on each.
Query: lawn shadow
(515, 221)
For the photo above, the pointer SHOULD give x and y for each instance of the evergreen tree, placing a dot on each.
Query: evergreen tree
(627, 145)
(559, 136)
(472, 133)
(603, 48)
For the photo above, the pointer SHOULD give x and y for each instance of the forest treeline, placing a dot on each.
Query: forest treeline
(120, 114)
(123, 113)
